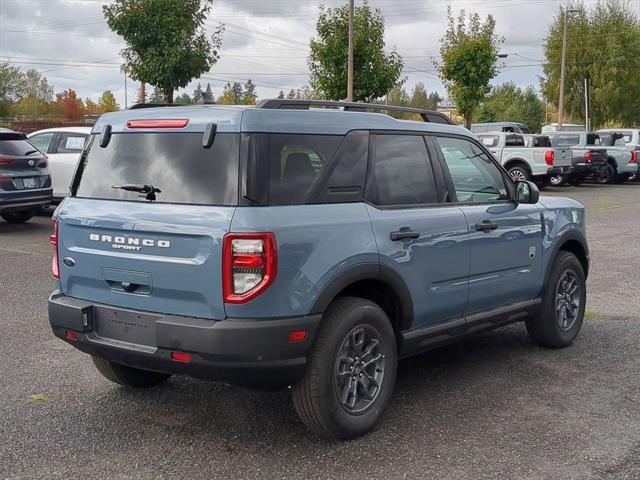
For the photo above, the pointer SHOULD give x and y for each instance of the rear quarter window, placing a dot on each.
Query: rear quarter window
(17, 148)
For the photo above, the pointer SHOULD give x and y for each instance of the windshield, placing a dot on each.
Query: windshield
(175, 163)
(18, 148)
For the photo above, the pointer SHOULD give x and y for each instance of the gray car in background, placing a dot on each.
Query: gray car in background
(25, 183)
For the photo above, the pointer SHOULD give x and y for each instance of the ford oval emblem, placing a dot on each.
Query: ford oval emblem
(69, 262)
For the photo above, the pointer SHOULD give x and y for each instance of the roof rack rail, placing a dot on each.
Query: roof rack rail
(138, 106)
(427, 115)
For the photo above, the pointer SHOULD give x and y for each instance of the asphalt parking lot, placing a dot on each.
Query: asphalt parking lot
(494, 406)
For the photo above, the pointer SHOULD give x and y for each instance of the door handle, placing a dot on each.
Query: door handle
(404, 235)
(486, 226)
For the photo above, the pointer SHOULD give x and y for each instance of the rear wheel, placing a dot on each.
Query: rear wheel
(557, 180)
(607, 175)
(519, 173)
(351, 371)
(19, 216)
(577, 180)
(621, 178)
(128, 376)
(560, 318)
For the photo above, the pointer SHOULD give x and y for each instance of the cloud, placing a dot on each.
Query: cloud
(266, 41)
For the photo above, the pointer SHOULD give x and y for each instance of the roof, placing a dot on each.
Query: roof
(250, 119)
(85, 130)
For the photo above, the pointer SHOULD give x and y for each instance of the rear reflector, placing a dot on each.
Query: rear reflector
(181, 357)
(297, 336)
(71, 335)
(6, 161)
(159, 123)
(53, 240)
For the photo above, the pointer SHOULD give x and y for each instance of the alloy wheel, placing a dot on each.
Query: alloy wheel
(567, 300)
(359, 369)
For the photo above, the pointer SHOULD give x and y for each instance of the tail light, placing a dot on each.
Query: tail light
(549, 157)
(634, 156)
(588, 156)
(6, 160)
(249, 265)
(44, 162)
(53, 240)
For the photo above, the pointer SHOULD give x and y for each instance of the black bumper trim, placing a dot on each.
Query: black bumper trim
(242, 351)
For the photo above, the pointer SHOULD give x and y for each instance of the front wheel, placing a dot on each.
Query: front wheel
(351, 371)
(128, 376)
(519, 173)
(19, 216)
(560, 318)
(577, 180)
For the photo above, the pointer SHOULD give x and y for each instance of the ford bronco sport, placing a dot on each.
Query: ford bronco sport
(311, 247)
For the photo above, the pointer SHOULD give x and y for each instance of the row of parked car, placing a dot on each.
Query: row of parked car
(561, 158)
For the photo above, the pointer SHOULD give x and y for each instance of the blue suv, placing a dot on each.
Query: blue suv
(287, 245)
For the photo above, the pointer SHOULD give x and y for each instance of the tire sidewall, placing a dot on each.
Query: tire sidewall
(565, 262)
(521, 169)
(350, 425)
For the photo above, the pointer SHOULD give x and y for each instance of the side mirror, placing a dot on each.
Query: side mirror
(527, 192)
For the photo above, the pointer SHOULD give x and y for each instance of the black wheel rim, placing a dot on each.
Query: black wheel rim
(359, 369)
(567, 300)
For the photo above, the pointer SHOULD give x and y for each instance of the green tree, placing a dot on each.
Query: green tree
(291, 95)
(603, 46)
(281, 95)
(469, 53)
(37, 86)
(184, 99)
(107, 102)
(509, 103)
(167, 45)
(11, 86)
(228, 96)
(156, 96)
(249, 95)
(375, 72)
(197, 93)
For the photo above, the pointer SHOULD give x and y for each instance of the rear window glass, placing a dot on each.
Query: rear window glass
(490, 140)
(296, 162)
(71, 143)
(175, 163)
(541, 142)
(17, 148)
(568, 140)
(514, 141)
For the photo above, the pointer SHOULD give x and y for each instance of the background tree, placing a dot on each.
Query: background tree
(291, 95)
(91, 107)
(156, 96)
(184, 99)
(375, 72)
(421, 98)
(107, 102)
(229, 94)
(11, 86)
(197, 93)
(469, 53)
(249, 95)
(604, 46)
(509, 103)
(281, 95)
(71, 106)
(167, 45)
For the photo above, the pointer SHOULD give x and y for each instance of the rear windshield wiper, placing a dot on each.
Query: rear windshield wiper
(149, 191)
(31, 152)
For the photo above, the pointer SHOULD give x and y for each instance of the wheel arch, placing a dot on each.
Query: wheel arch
(517, 161)
(572, 241)
(375, 282)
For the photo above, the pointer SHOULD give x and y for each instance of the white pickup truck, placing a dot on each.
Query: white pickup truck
(527, 157)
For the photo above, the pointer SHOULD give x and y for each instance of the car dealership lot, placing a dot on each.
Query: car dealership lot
(494, 406)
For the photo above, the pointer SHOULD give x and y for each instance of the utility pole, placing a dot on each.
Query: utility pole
(587, 122)
(126, 103)
(563, 65)
(350, 54)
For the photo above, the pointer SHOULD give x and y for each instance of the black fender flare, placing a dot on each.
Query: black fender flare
(568, 236)
(368, 271)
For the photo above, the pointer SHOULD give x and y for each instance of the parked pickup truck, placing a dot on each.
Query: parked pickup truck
(527, 157)
(632, 142)
(618, 166)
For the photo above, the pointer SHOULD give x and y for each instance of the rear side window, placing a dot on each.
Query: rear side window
(514, 141)
(402, 173)
(175, 163)
(296, 162)
(71, 143)
(541, 141)
(42, 141)
(17, 148)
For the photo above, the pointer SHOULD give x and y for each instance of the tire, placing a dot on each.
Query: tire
(621, 178)
(607, 176)
(128, 376)
(550, 328)
(19, 216)
(349, 326)
(519, 172)
(557, 181)
(576, 180)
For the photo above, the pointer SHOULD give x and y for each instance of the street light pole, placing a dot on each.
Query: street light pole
(350, 53)
(563, 66)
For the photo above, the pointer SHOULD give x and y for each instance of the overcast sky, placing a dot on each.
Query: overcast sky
(265, 40)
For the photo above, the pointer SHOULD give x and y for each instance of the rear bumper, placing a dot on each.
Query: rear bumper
(582, 169)
(240, 351)
(25, 199)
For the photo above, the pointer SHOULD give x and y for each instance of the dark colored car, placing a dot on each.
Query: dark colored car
(588, 160)
(25, 183)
